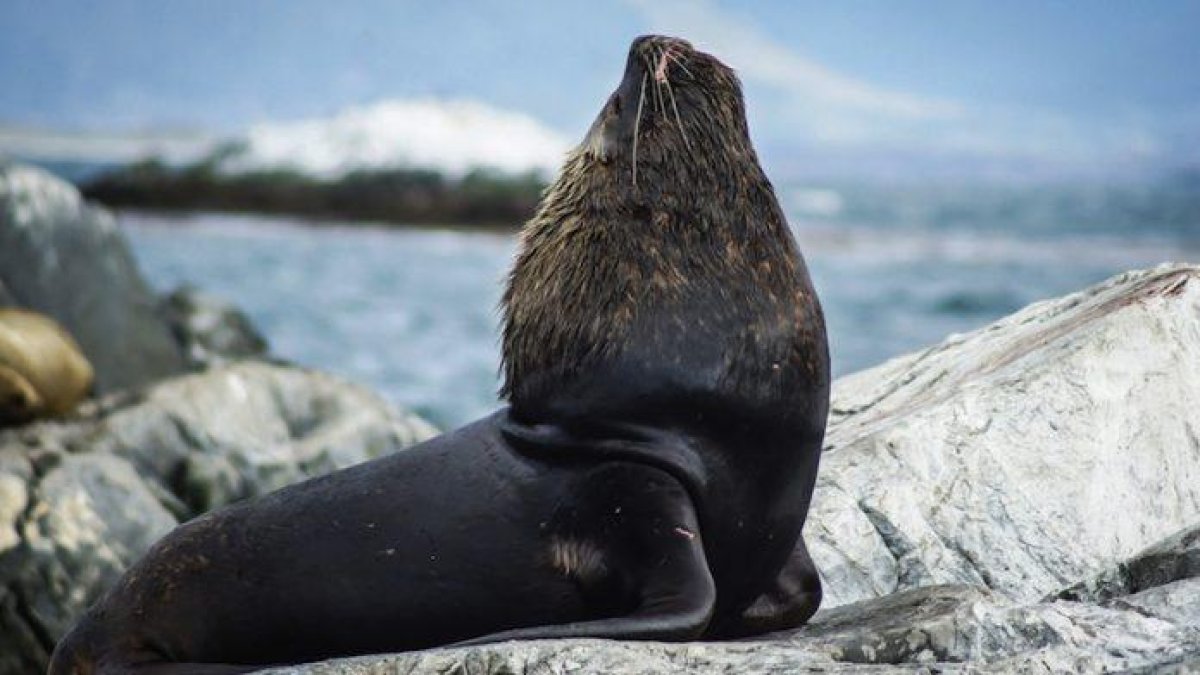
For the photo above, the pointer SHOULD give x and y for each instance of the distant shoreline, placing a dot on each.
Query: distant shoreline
(479, 200)
(166, 218)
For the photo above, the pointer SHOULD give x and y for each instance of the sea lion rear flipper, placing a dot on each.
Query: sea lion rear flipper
(789, 602)
(651, 537)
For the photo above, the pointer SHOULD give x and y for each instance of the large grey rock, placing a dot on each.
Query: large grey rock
(1024, 456)
(67, 259)
(937, 629)
(81, 499)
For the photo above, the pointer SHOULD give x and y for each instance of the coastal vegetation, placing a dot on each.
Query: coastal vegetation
(480, 198)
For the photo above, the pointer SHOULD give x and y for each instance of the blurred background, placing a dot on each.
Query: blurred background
(352, 174)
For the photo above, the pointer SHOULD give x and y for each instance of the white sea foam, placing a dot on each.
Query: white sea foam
(453, 136)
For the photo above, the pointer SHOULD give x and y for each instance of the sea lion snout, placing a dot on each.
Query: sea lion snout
(645, 95)
(651, 46)
(657, 58)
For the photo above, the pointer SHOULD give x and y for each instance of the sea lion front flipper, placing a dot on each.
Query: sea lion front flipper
(790, 601)
(642, 527)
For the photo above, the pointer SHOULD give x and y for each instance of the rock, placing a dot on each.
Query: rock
(1022, 457)
(82, 499)
(247, 429)
(90, 517)
(1175, 558)
(67, 259)
(210, 330)
(936, 629)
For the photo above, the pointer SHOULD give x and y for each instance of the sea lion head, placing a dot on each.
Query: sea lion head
(660, 253)
(673, 106)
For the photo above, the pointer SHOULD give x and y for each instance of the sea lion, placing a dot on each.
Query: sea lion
(42, 370)
(667, 377)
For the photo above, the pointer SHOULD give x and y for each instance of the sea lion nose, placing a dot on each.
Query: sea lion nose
(651, 45)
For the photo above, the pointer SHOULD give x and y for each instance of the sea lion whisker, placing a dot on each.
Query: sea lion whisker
(678, 60)
(659, 104)
(678, 119)
(665, 81)
(660, 71)
(637, 123)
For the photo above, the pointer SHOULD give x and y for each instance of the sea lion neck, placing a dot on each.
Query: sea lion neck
(639, 248)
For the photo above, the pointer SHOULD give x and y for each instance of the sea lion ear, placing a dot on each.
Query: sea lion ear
(600, 142)
(603, 145)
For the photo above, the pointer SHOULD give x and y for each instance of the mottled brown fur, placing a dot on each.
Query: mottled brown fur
(700, 221)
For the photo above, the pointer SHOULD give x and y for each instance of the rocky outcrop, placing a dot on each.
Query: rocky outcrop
(210, 330)
(982, 507)
(1022, 457)
(1174, 559)
(936, 629)
(82, 499)
(64, 258)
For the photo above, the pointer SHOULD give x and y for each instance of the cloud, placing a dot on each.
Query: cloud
(450, 135)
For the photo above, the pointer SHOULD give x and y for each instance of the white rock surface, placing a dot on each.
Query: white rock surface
(938, 629)
(1023, 456)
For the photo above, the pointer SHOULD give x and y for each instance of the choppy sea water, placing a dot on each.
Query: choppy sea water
(412, 313)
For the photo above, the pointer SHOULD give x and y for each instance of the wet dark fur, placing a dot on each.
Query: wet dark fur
(668, 380)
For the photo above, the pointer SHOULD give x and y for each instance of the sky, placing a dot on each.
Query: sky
(1012, 84)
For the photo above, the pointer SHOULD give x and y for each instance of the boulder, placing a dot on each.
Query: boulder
(935, 629)
(67, 259)
(1021, 457)
(82, 499)
(1173, 559)
(210, 330)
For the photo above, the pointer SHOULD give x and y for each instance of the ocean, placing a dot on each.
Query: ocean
(412, 313)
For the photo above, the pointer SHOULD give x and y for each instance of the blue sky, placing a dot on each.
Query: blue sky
(1023, 81)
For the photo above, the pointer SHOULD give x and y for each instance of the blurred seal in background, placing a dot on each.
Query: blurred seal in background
(42, 370)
